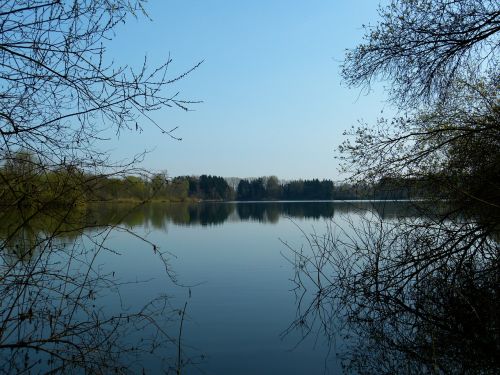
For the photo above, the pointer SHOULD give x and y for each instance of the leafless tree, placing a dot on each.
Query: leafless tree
(60, 89)
(424, 46)
(407, 295)
(59, 92)
(418, 294)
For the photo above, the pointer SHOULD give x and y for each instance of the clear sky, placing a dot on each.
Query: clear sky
(273, 101)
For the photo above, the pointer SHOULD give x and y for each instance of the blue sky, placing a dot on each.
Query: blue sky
(273, 101)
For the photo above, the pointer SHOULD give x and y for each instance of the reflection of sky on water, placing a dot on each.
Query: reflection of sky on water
(232, 260)
(240, 300)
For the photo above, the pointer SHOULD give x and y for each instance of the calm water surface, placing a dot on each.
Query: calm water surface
(226, 295)
(233, 264)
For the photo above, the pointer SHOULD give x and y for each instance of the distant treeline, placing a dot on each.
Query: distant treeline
(25, 181)
(216, 188)
(269, 188)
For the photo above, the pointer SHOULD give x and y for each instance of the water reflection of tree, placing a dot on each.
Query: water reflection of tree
(409, 295)
(272, 211)
(159, 215)
(420, 294)
(57, 98)
(62, 313)
(447, 325)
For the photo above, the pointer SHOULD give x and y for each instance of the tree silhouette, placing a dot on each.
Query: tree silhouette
(418, 294)
(59, 92)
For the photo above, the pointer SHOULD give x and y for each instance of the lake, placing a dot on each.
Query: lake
(204, 288)
(241, 296)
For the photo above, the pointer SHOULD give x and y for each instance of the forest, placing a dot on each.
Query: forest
(29, 182)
